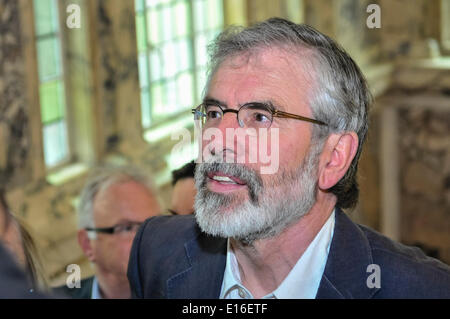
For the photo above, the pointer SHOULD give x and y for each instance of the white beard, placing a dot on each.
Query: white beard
(269, 209)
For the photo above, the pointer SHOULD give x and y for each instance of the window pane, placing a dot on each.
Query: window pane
(145, 108)
(45, 16)
(154, 3)
(55, 143)
(139, 5)
(157, 99)
(168, 23)
(185, 90)
(200, 50)
(143, 70)
(49, 58)
(201, 81)
(170, 60)
(184, 55)
(153, 27)
(182, 19)
(141, 34)
(52, 101)
(155, 65)
(200, 15)
(215, 16)
(171, 92)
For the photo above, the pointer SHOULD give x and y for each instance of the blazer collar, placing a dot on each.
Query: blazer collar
(201, 273)
(345, 274)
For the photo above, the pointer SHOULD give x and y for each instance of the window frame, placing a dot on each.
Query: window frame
(193, 69)
(70, 156)
(445, 26)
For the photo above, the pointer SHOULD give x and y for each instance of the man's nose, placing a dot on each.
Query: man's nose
(233, 137)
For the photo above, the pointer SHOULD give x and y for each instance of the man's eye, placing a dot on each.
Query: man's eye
(213, 114)
(260, 117)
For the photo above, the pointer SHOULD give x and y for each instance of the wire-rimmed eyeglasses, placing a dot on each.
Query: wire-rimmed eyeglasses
(251, 115)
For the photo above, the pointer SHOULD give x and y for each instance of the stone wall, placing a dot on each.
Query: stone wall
(14, 111)
(424, 158)
(422, 100)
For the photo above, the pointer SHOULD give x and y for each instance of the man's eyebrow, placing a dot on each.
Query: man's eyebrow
(209, 100)
(269, 104)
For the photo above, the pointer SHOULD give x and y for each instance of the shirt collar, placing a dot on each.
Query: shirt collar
(95, 289)
(303, 280)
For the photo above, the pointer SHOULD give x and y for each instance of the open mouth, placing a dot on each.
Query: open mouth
(220, 182)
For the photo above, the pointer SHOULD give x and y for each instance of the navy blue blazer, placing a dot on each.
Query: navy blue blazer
(172, 258)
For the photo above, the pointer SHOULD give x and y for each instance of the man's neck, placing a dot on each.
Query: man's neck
(265, 264)
(111, 287)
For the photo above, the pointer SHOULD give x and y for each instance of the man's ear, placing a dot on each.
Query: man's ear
(337, 155)
(86, 244)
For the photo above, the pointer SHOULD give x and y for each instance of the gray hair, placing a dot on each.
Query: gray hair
(340, 97)
(101, 179)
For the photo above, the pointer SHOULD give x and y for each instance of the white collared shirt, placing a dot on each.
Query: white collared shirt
(95, 290)
(303, 280)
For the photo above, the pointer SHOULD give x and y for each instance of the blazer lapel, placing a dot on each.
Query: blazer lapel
(203, 275)
(345, 274)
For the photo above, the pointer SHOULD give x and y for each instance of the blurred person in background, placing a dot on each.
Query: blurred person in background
(184, 191)
(113, 204)
(21, 271)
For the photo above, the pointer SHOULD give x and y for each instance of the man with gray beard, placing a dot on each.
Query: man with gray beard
(283, 234)
(285, 198)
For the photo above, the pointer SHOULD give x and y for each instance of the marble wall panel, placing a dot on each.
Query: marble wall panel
(407, 26)
(424, 158)
(14, 129)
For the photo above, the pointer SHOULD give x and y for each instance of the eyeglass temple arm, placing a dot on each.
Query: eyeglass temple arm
(108, 230)
(297, 117)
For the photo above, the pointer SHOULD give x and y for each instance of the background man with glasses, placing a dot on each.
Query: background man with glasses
(280, 235)
(113, 204)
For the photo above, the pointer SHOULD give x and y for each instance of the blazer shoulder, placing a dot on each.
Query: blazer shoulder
(168, 229)
(407, 270)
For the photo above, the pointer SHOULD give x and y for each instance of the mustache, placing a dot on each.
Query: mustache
(249, 176)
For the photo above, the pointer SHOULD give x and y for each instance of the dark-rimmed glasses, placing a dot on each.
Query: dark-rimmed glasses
(116, 229)
(251, 115)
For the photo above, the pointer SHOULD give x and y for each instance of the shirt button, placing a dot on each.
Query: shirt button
(241, 293)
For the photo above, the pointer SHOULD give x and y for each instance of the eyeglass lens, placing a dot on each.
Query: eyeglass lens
(249, 115)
